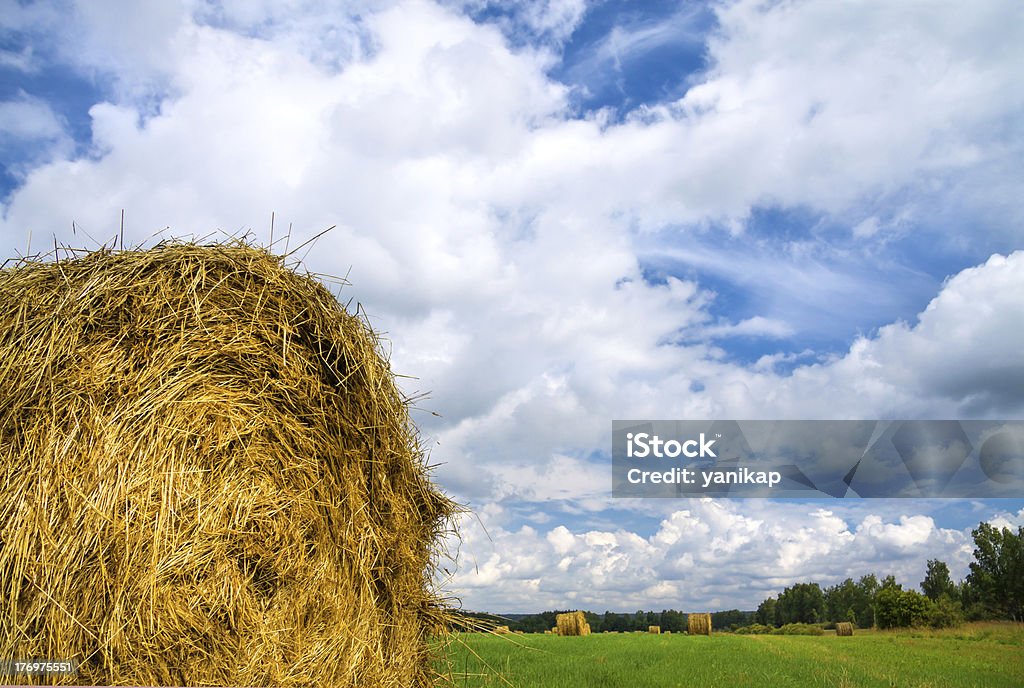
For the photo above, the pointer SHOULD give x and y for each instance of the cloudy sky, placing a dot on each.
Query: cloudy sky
(563, 212)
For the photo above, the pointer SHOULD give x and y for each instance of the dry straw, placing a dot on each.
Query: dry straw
(208, 477)
(844, 628)
(654, 630)
(698, 624)
(572, 623)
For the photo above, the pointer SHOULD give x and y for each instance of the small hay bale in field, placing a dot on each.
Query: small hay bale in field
(844, 628)
(547, 632)
(668, 632)
(572, 624)
(698, 624)
(654, 630)
(502, 630)
(208, 477)
(519, 632)
(554, 630)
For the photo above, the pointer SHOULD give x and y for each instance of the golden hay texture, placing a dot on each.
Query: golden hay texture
(655, 630)
(208, 477)
(572, 623)
(698, 624)
(501, 630)
(844, 628)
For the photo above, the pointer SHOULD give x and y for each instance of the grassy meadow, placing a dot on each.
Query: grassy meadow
(989, 655)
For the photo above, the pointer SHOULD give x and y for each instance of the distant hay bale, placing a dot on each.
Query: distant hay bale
(519, 632)
(654, 630)
(844, 628)
(554, 630)
(698, 624)
(668, 633)
(547, 632)
(572, 624)
(208, 477)
(502, 630)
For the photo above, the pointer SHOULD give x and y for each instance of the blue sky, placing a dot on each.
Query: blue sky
(564, 212)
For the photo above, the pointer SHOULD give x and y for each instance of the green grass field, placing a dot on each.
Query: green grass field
(982, 655)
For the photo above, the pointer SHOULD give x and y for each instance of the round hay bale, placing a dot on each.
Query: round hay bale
(572, 623)
(698, 624)
(654, 630)
(844, 628)
(208, 477)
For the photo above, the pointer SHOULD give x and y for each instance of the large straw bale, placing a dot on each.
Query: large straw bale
(654, 630)
(208, 477)
(572, 623)
(698, 624)
(844, 628)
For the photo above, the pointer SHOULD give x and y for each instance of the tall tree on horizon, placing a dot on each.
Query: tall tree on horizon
(937, 581)
(997, 572)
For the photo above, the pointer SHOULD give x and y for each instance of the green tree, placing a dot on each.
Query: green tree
(868, 586)
(732, 618)
(945, 613)
(800, 603)
(937, 582)
(997, 572)
(766, 612)
(848, 601)
(672, 620)
(895, 608)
